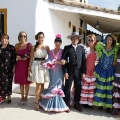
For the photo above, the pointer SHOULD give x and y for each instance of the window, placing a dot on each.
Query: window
(80, 31)
(74, 28)
(84, 37)
(81, 22)
(84, 1)
(3, 21)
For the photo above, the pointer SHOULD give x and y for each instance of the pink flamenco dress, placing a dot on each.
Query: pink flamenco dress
(21, 68)
(52, 97)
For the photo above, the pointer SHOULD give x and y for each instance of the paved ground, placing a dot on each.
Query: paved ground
(14, 111)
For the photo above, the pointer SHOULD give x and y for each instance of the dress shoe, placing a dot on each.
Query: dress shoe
(78, 107)
(85, 106)
(91, 107)
(115, 111)
(100, 108)
(108, 110)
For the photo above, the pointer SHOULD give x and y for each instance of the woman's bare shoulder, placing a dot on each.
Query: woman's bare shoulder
(16, 45)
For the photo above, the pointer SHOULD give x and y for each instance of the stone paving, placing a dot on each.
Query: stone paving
(14, 111)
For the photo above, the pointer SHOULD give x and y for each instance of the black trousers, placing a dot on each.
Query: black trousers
(77, 85)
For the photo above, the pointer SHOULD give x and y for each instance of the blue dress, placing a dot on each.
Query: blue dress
(104, 73)
(52, 97)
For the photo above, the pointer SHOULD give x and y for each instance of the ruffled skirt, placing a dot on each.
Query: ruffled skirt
(88, 88)
(52, 98)
(104, 94)
(116, 90)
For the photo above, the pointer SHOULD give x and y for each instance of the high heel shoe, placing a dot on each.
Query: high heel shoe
(21, 101)
(25, 100)
(37, 108)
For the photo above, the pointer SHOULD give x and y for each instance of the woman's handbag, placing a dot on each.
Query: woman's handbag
(30, 77)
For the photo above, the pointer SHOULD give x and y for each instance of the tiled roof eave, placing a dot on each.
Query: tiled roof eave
(84, 5)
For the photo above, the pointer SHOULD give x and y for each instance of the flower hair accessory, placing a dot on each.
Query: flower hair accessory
(95, 44)
(58, 36)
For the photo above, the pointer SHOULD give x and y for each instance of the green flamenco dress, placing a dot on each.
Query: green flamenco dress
(104, 73)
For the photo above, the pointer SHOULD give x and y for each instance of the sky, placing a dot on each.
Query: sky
(111, 4)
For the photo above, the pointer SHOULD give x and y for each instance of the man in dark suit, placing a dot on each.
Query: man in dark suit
(74, 69)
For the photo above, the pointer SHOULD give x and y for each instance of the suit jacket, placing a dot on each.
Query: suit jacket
(76, 62)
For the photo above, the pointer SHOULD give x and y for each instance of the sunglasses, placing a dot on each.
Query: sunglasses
(23, 36)
(90, 40)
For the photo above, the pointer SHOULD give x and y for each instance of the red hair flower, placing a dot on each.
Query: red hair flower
(95, 44)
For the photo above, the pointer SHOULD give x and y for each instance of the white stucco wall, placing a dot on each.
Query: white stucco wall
(52, 22)
(20, 17)
(33, 16)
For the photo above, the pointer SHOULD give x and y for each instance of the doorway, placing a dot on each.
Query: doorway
(3, 21)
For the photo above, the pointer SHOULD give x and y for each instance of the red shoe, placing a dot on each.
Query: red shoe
(1, 99)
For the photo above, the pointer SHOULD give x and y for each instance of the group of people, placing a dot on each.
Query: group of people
(93, 68)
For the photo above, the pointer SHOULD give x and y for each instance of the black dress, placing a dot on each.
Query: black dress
(7, 62)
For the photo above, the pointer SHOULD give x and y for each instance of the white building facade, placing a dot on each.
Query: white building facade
(33, 16)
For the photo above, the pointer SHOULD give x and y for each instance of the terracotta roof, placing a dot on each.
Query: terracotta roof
(75, 3)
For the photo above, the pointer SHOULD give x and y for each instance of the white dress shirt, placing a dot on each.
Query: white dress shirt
(75, 46)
